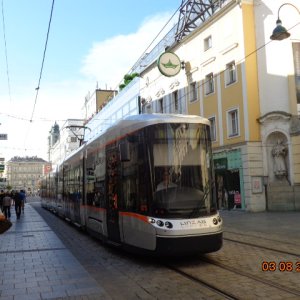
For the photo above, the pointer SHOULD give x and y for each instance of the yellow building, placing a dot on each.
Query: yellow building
(247, 86)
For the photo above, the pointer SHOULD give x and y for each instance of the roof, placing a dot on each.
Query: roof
(27, 159)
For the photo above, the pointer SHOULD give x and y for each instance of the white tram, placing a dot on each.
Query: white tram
(144, 184)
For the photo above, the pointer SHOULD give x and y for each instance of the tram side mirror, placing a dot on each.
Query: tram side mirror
(124, 150)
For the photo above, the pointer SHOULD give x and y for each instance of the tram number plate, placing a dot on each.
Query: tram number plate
(193, 223)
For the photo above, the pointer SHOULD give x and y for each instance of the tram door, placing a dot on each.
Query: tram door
(113, 194)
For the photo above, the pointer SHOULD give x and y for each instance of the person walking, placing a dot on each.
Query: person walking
(18, 204)
(2, 194)
(23, 199)
(6, 205)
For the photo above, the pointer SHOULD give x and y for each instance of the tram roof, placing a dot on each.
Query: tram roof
(136, 122)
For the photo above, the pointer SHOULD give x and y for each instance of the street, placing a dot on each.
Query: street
(256, 262)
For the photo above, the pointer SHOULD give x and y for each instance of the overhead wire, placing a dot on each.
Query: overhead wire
(153, 40)
(44, 55)
(182, 95)
(41, 71)
(5, 50)
(204, 82)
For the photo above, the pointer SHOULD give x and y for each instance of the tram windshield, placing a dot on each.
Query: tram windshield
(180, 170)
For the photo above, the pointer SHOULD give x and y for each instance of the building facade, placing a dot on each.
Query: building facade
(246, 85)
(26, 173)
(123, 104)
(66, 140)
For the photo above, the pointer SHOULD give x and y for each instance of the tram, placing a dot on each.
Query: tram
(145, 184)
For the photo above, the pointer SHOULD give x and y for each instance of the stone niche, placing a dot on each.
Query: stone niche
(277, 156)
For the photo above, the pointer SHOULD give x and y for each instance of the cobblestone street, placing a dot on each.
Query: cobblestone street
(44, 257)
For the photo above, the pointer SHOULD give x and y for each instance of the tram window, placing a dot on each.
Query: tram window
(135, 181)
(89, 198)
(99, 196)
(124, 151)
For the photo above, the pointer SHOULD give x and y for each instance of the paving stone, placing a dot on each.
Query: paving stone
(37, 263)
(46, 258)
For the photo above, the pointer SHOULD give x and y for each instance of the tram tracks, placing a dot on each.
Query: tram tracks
(205, 283)
(225, 274)
(263, 243)
(262, 247)
(251, 285)
(257, 264)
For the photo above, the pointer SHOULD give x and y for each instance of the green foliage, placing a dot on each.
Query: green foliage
(127, 79)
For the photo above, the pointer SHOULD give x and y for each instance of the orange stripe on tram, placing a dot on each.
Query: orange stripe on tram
(134, 215)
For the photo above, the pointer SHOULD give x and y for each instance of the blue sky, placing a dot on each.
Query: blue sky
(90, 41)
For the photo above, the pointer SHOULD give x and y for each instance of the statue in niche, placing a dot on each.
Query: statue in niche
(279, 153)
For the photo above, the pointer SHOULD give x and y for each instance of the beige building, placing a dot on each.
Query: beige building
(26, 172)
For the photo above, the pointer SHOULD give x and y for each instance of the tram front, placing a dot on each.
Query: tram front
(183, 205)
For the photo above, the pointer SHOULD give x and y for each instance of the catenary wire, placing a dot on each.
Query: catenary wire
(185, 94)
(5, 50)
(41, 72)
(154, 39)
(44, 55)
(153, 81)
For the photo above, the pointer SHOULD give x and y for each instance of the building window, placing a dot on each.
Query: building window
(207, 43)
(161, 105)
(209, 83)
(213, 132)
(73, 139)
(175, 101)
(230, 73)
(148, 109)
(193, 91)
(233, 123)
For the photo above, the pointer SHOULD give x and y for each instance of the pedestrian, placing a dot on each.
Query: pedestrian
(2, 194)
(6, 205)
(23, 199)
(18, 204)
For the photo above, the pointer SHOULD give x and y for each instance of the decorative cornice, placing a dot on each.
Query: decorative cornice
(161, 92)
(208, 61)
(174, 83)
(229, 48)
(274, 115)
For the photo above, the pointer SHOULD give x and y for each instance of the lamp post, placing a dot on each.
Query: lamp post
(280, 33)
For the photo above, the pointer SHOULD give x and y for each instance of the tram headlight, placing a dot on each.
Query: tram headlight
(160, 223)
(168, 224)
(219, 219)
(215, 221)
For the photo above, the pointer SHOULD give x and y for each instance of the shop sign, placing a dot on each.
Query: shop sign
(2, 167)
(169, 64)
(220, 164)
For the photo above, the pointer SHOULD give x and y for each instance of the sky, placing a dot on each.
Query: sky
(90, 43)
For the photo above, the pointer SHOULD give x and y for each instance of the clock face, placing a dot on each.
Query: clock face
(169, 64)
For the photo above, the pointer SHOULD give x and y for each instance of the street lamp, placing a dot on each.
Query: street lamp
(280, 33)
